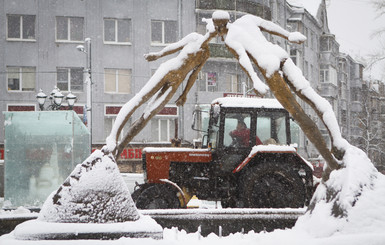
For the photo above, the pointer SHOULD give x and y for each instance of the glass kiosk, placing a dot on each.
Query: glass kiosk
(41, 150)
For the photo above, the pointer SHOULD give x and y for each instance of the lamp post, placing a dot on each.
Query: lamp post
(87, 80)
(56, 97)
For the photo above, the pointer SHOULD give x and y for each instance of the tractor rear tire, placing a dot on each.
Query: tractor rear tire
(157, 196)
(272, 185)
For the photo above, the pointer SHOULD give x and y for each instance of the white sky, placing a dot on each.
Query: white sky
(353, 22)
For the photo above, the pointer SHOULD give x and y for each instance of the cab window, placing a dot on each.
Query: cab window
(236, 130)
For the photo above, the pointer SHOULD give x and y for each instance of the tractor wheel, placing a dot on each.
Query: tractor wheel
(272, 185)
(157, 196)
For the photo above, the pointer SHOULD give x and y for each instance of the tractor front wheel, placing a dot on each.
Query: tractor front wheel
(272, 185)
(156, 196)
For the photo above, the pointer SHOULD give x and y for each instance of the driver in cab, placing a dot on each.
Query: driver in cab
(242, 135)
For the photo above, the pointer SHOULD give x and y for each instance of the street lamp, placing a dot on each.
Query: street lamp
(87, 80)
(56, 98)
(71, 99)
(41, 96)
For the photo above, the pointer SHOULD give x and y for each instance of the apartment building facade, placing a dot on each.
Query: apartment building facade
(38, 51)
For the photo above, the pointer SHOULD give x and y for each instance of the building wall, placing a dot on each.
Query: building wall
(47, 54)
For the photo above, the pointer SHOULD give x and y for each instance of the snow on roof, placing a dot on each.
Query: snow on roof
(310, 5)
(248, 102)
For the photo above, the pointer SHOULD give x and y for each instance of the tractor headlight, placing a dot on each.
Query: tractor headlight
(302, 173)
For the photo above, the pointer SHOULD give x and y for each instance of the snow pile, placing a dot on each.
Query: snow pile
(37, 230)
(17, 211)
(286, 237)
(94, 192)
(357, 191)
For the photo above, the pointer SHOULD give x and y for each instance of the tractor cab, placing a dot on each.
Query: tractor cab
(243, 125)
(238, 124)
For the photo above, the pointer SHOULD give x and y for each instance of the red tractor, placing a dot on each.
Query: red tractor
(246, 160)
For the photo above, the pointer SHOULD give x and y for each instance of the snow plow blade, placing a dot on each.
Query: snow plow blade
(227, 220)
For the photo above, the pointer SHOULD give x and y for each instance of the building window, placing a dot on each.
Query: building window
(328, 43)
(295, 55)
(21, 78)
(324, 74)
(117, 81)
(208, 82)
(165, 124)
(306, 33)
(312, 40)
(69, 28)
(21, 27)
(163, 129)
(110, 113)
(234, 84)
(163, 32)
(311, 72)
(109, 122)
(306, 70)
(117, 30)
(70, 79)
(328, 74)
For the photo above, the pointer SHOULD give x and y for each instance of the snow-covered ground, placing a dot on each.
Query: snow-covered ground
(365, 226)
(173, 236)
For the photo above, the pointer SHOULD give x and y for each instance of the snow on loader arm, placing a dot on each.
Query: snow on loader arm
(158, 91)
(284, 77)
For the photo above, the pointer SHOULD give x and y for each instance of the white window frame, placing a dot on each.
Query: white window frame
(306, 70)
(21, 79)
(169, 133)
(297, 56)
(113, 118)
(234, 83)
(325, 74)
(69, 81)
(116, 32)
(204, 77)
(117, 81)
(158, 118)
(68, 40)
(163, 41)
(21, 29)
(329, 74)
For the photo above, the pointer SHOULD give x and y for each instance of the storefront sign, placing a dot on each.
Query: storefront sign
(131, 154)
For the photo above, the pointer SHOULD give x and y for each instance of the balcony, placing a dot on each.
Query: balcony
(219, 51)
(328, 90)
(246, 6)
